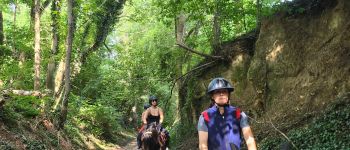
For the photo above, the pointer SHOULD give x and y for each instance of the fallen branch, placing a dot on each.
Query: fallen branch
(274, 127)
(27, 93)
(22, 92)
(284, 135)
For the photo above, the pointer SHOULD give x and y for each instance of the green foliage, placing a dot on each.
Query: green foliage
(328, 131)
(21, 77)
(34, 145)
(101, 120)
(141, 59)
(180, 132)
(28, 106)
(271, 143)
(236, 17)
(50, 138)
(72, 132)
(4, 51)
(9, 116)
(6, 146)
(106, 16)
(107, 118)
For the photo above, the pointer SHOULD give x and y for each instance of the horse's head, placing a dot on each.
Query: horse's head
(151, 135)
(154, 128)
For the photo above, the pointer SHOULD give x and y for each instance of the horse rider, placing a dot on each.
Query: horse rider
(221, 125)
(155, 114)
(143, 126)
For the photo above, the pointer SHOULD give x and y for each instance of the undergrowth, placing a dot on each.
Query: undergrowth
(180, 134)
(6, 146)
(19, 116)
(27, 106)
(330, 130)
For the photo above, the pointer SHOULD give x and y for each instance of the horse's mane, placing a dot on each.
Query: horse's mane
(150, 137)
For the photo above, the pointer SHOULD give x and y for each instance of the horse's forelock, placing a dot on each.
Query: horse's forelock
(151, 135)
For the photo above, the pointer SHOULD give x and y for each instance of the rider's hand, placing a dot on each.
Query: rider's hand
(144, 122)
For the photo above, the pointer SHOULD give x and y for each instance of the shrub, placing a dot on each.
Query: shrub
(28, 106)
(327, 131)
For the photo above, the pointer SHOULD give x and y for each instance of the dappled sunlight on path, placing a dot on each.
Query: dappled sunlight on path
(126, 143)
(132, 145)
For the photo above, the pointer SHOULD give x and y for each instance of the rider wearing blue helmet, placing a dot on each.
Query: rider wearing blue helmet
(145, 107)
(221, 125)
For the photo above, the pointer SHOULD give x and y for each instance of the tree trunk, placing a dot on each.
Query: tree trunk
(216, 42)
(14, 31)
(51, 67)
(37, 58)
(50, 83)
(58, 85)
(70, 35)
(180, 31)
(1, 29)
(258, 12)
(180, 28)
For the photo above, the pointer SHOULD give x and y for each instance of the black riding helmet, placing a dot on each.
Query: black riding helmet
(145, 106)
(152, 98)
(219, 83)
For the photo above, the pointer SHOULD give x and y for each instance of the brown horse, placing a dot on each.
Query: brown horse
(153, 138)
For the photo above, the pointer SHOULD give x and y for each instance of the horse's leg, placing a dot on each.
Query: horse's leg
(147, 141)
(143, 142)
(154, 143)
(144, 146)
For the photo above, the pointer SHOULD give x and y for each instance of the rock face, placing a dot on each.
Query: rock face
(300, 64)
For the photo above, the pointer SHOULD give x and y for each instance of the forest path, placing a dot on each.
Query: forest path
(126, 142)
(132, 145)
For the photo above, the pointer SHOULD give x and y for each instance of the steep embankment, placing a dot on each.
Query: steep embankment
(306, 61)
(300, 66)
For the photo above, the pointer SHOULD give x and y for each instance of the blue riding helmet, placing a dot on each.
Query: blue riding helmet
(152, 98)
(219, 83)
(145, 106)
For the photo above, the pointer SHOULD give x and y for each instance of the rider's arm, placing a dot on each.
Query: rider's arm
(202, 134)
(144, 116)
(249, 138)
(203, 140)
(247, 132)
(161, 115)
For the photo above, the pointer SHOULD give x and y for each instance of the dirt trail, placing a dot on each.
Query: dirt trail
(93, 142)
(132, 145)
